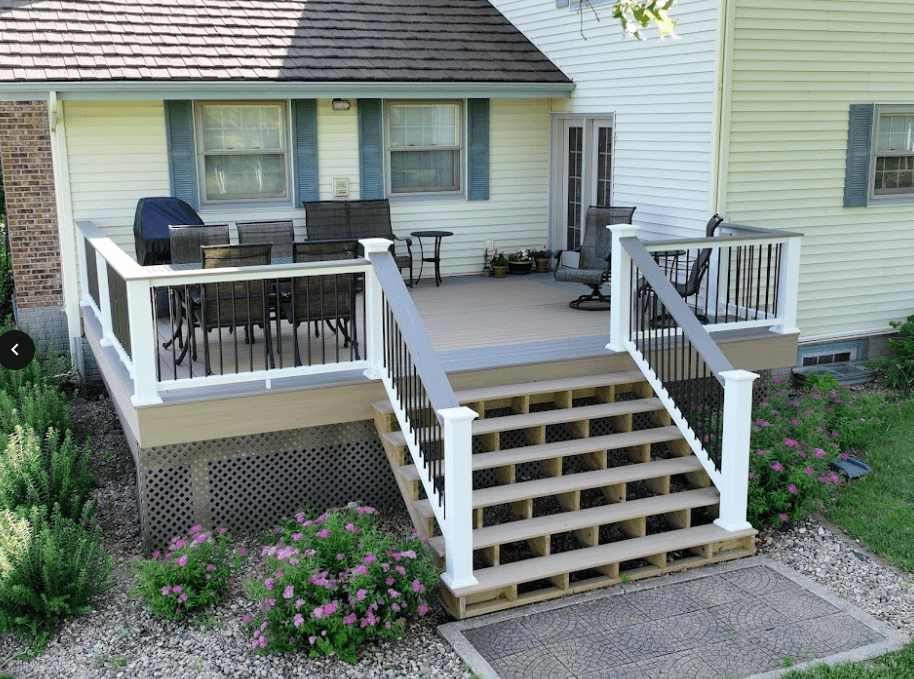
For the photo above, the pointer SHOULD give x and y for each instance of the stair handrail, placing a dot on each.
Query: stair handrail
(416, 384)
(724, 425)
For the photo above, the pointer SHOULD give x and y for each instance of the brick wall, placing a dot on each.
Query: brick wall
(28, 177)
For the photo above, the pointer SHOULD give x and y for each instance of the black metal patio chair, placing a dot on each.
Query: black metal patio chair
(329, 298)
(185, 242)
(593, 266)
(232, 304)
(278, 232)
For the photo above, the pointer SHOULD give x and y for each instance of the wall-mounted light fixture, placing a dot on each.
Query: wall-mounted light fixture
(340, 104)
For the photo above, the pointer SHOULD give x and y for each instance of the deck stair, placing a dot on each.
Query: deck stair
(578, 483)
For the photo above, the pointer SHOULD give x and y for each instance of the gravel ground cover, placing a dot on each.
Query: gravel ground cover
(121, 639)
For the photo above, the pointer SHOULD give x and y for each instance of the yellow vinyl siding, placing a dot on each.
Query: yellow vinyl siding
(118, 154)
(794, 74)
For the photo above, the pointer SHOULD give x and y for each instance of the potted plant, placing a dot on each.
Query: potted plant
(499, 264)
(520, 261)
(541, 257)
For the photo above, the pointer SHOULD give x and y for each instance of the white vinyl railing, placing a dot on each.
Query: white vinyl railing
(119, 293)
(751, 280)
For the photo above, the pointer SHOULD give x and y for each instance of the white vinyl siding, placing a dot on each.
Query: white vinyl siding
(792, 86)
(117, 154)
(662, 95)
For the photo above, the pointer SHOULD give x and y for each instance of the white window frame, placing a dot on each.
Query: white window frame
(460, 105)
(285, 151)
(904, 197)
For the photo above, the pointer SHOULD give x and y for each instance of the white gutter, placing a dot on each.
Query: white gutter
(200, 89)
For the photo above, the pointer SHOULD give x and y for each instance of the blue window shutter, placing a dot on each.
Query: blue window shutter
(182, 158)
(371, 149)
(478, 149)
(859, 148)
(304, 126)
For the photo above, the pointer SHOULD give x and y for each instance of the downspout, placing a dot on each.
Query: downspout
(66, 236)
(721, 150)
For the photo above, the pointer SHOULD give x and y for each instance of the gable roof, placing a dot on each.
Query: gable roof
(266, 40)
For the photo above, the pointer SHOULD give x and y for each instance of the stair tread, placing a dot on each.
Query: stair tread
(547, 417)
(513, 531)
(545, 451)
(591, 557)
(547, 386)
(486, 497)
(527, 388)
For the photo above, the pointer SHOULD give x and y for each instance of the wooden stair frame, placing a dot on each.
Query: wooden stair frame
(500, 585)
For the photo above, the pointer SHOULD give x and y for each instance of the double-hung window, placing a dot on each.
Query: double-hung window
(243, 152)
(424, 147)
(894, 152)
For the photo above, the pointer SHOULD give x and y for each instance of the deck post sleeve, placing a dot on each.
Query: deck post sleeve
(734, 487)
(374, 311)
(789, 287)
(142, 343)
(458, 494)
(620, 286)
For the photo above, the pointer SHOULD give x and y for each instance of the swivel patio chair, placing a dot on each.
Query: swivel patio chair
(232, 304)
(593, 267)
(328, 298)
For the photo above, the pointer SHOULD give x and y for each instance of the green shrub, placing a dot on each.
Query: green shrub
(332, 583)
(34, 406)
(51, 568)
(794, 438)
(44, 474)
(195, 572)
(898, 366)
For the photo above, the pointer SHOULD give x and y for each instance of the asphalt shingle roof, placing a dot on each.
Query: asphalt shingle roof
(299, 40)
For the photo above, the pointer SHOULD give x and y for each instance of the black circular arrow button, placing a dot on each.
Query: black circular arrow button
(17, 350)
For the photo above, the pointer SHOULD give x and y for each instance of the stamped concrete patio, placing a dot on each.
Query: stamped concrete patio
(740, 619)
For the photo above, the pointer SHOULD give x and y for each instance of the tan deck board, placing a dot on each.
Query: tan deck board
(591, 557)
(502, 494)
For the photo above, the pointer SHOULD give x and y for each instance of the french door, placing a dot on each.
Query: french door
(585, 175)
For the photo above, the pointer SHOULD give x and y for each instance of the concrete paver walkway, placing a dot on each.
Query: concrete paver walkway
(740, 619)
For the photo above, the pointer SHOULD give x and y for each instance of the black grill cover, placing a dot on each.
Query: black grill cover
(150, 227)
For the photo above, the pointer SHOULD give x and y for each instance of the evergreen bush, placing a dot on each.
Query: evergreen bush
(45, 475)
(51, 567)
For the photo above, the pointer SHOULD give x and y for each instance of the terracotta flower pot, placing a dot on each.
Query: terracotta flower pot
(542, 264)
(499, 271)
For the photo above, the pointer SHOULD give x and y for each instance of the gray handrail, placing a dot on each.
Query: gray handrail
(425, 359)
(677, 308)
(752, 235)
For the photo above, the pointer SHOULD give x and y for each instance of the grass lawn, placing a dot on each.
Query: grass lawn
(898, 665)
(878, 510)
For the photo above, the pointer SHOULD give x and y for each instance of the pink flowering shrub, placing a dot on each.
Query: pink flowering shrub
(196, 571)
(331, 583)
(794, 438)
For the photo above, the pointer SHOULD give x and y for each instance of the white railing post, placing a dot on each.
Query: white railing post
(620, 285)
(374, 312)
(734, 487)
(104, 300)
(458, 496)
(142, 343)
(789, 287)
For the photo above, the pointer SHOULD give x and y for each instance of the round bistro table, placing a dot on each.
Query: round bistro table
(436, 257)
